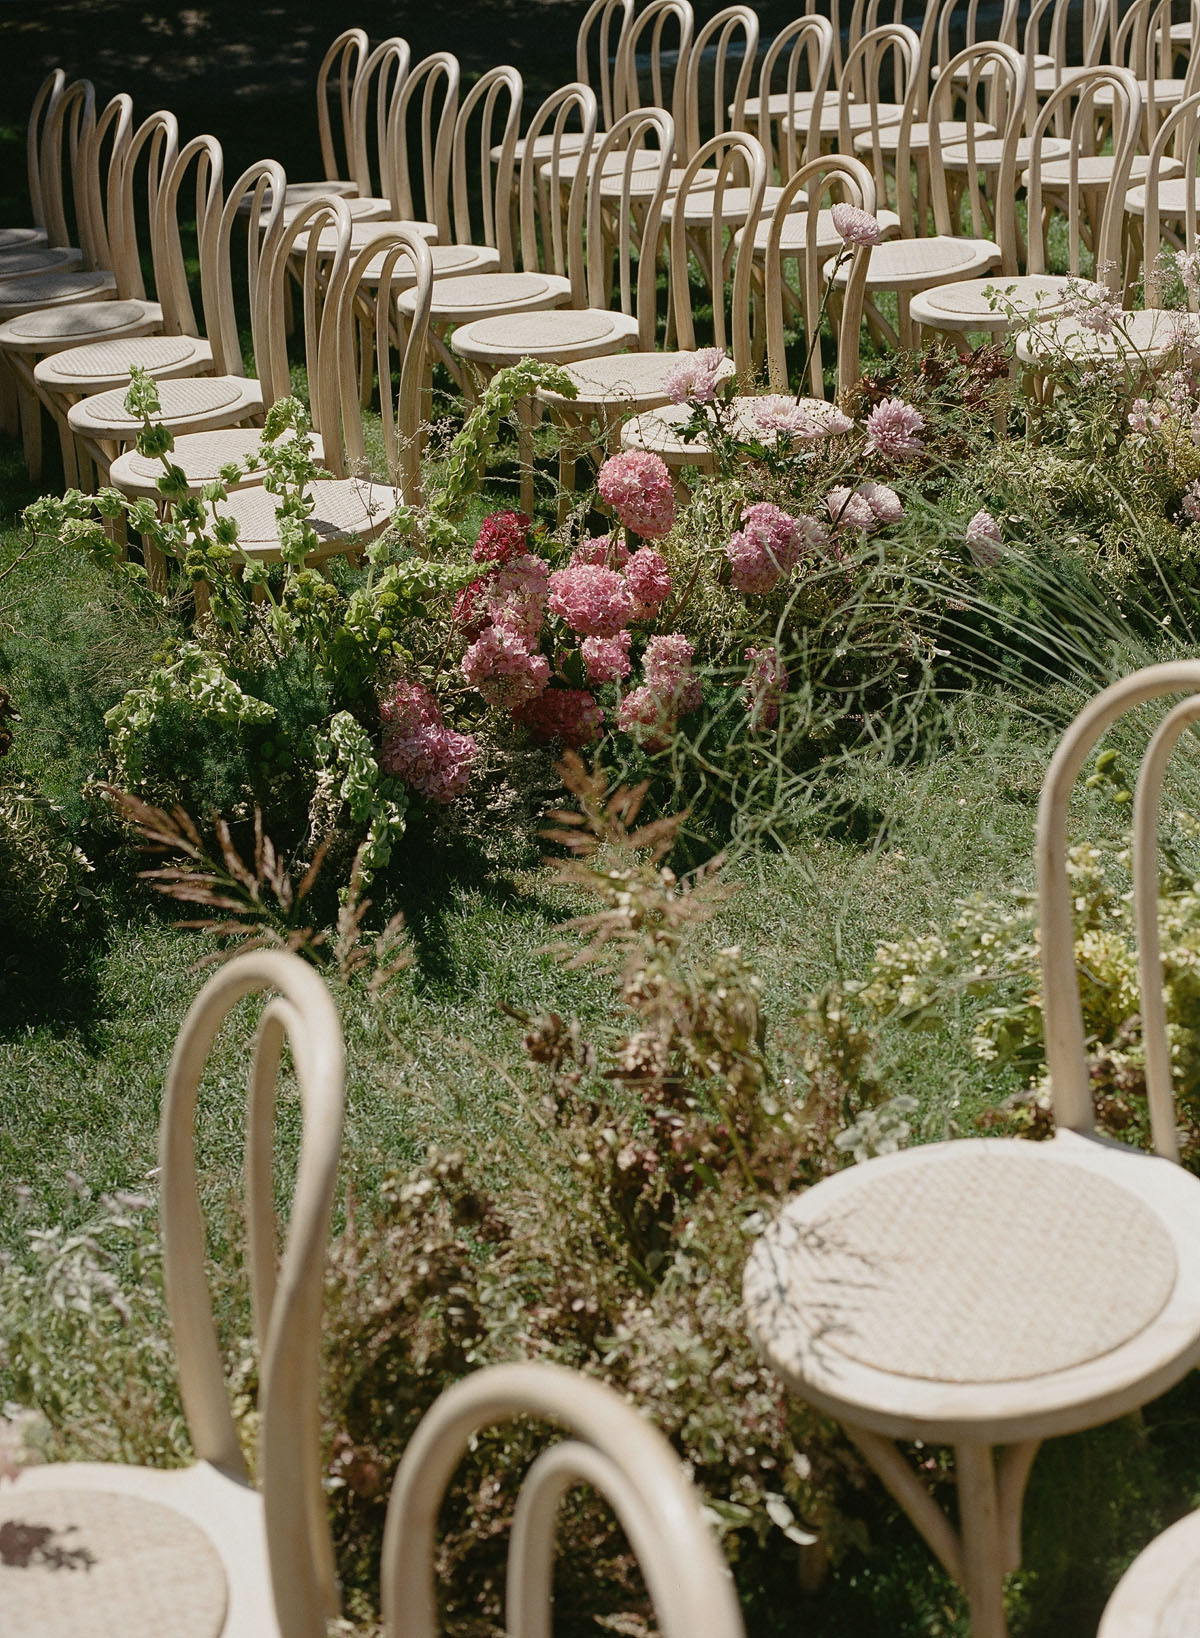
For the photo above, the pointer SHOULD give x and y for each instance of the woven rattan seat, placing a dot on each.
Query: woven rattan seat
(910, 264)
(95, 1564)
(37, 260)
(1153, 331)
(53, 327)
(199, 456)
(1159, 1594)
(474, 296)
(53, 289)
(624, 378)
(560, 334)
(219, 397)
(987, 303)
(101, 365)
(343, 508)
(1172, 197)
(363, 233)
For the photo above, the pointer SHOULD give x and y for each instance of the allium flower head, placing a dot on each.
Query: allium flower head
(764, 687)
(856, 227)
(696, 376)
(637, 485)
(601, 551)
(567, 714)
(984, 540)
(501, 536)
(894, 428)
(606, 658)
(502, 666)
(594, 602)
(419, 749)
(649, 579)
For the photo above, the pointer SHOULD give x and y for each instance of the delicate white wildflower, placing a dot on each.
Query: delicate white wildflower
(1093, 306)
(984, 540)
(879, 1131)
(1187, 264)
(1144, 417)
(22, 1433)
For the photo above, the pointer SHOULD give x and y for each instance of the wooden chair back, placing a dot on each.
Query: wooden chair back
(551, 236)
(598, 51)
(66, 151)
(624, 228)
(263, 185)
(285, 1299)
(1066, 1054)
(1076, 103)
(490, 181)
(1142, 43)
(739, 161)
(100, 190)
(420, 141)
(345, 56)
(45, 109)
(989, 80)
(720, 69)
(652, 69)
(1176, 141)
(816, 187)
(609, 1447)
(805, 52)
(204, 153)
(400, 252)
(380, 77)
(887, 56)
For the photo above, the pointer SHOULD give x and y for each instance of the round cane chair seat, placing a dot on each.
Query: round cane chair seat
(53, 329)
(559, 336)
(889, 137)
(735, 206)
(462, 300)
(200, 457)
(104, 364)
(860, 116)
(22, 238)
(1172, 197)
(987, 1288)
(347, 512)
(662, 430)
(449, 262)
(915, 264)
(362, 233)
(1095, 171)
(570, 142)
(643, 184)
(54, 290)
(989, 304)
(644, 159)
(779, 105)
(632, 380)
(793, 240)
(361, 209)
(34, 260)
(1159, 1594)
(1151, 334)
(190, 403)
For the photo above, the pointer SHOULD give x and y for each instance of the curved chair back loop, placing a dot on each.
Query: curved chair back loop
(645, 85)
(495, 175)
(843, 179)
(100, 195)
(45, 108)
(623, 228)
(731, 40)
(598, 24)
(809, 44)
(989, 79)
(345, 55)
(399, 255)
(1065, 1048)
(1177, 139)
(1078, 100)
(322, 266)
(739, 161)
(264, 184)
(170, 274)
(552, 238)
(435, 79)
(612, 1448)
(888, 53)
(287, 1304)
(379, 79)
(70, 122)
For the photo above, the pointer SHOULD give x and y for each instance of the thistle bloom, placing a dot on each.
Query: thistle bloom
(606, 658)
(567, 714)
(502, 666)
(984, 540)
(856, 227)
(637, 485)
(894, 428)
(501, 536)
(696, 377)
(418, 747)
(649, 579)
(764, 687)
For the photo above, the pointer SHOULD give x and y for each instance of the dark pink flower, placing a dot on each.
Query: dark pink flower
(567, 714)
(503, 667)
(601, 551)
(419, 749)
(501, 536)
(594, 602)
(606, 658)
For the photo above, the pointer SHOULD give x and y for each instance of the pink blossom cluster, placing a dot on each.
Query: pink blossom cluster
(637, 485)
(593, 601)
(1092, 305)
(768, 547)
(501, 536)
(775, 416)
(765, 685)
(418, 747)
(515, 596)
(696, 377)
(894, 430)
(649, 579)
(505, 668)
(606, 659)
(867, 507)
(567, 714)
(670, 690)
(984, 540)
(602, 551)
(1145, 417)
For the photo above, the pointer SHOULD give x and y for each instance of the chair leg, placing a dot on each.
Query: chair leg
(984, 1555)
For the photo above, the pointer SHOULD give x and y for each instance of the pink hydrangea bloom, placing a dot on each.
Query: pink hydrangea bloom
(667, 667)
(419, 749)
(594, 602)
(696, 377)
(470, 609)
(646, 717)
(1191, 501)
(764, 687)
(856, 227)
(567, 714)
(601, 551)
(637, 486)
(503, 667)
(501, 536)
(884, 502)
(515, 596)
(606, 658)
(984, 540)
(894, 428)
(768, 547)
(649, 579)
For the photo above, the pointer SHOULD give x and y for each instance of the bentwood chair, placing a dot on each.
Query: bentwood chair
(199, 1549)
(610, 1448)
(1161, 212)
(43, 114)
(988, 1293)
(347, 53)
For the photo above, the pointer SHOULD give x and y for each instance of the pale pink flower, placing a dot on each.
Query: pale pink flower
(850, 509)
(606, 658)
(503, 667)
(1145, 417)
(984, 540)
(856, 227)
(646, 717)
(419, 749)
(409, 706)
(765, 686)
(567, 714)
(894, 428)
(667, 667)
(1188, 264)
(768, 547)
(601, 551)
(515, 596)
(637, 485)
(696, 376)
(1093, 306)
(884, 502)
(779, 416)
(649, 579)
(594, 602)
(1191, 501)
